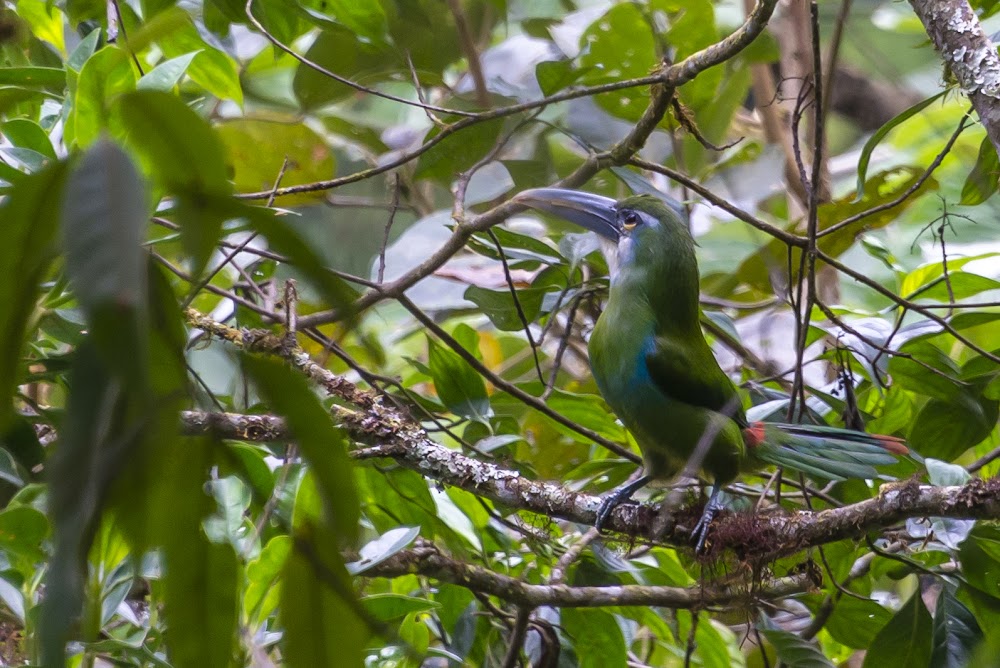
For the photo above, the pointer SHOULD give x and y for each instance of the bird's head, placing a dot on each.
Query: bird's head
(640, 229)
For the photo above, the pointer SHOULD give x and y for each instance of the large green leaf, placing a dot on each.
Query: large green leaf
(795, 652)
(981, 182)
(880, 134)
(322, 444)
(184, 156)
(956, 633)
(500, 308)
(104, 226)
(458, 385)
(106, 75)
(200, 583)
(946, 429)
(29, 217)
(855, 623)
(211, 68)
(257, 149)
(595, 637)
(906, 640)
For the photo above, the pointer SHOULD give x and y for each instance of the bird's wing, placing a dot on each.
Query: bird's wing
(691, 374)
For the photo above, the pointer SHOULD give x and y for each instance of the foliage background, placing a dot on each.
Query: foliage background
(255, 216)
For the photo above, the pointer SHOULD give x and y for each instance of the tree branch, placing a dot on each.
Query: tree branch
(759, 537)
(427, 560)
(958, 37)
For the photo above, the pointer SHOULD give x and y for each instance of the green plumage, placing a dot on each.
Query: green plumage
(659, 375)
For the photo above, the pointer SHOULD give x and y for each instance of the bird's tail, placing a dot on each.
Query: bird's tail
(824, 452)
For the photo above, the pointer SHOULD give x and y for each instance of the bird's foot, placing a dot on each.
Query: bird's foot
(616, 498)
(699, 534)
(701, 530)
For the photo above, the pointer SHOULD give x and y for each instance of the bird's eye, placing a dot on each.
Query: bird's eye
(629, 220)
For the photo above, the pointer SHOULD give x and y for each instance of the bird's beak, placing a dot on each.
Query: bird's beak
(594, 212)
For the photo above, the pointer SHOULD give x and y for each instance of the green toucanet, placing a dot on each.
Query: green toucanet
(656, 371)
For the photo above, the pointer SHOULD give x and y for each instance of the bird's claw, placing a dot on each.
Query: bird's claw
(703, 528)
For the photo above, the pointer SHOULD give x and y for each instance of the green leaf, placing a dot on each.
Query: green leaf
(386, 607)
(104, 226)
(167, 74)
(499, 306)
(365, 18)
(795, 652)
(457, 152)
(182, 150)
(981, 182)
(29, 217)
(905, 641)
(956, 633)
(32, 76)
(321, 625)
(945, 429)
(554, 75)
(261, 596)
(321, 444)
(185, 156)
(201, 578)
(25, 133)
(944, 474)
(211, 68)
(339, 50)
(257, 150)
(855, 623)
(105, 76)
(459, 387)
(595, 636)
(880, 134)
(619, 45)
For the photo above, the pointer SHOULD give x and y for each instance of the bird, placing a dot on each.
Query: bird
(654, 368)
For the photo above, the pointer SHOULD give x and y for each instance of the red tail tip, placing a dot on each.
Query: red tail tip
(753, 435)
(893, 444)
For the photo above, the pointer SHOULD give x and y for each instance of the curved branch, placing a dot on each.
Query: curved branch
(429, 561)
(757, 537)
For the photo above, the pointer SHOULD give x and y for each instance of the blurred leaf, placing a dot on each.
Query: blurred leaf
(323, 445)
(167, 74)
(257, 149)
(104, 227)
(879, 135)
(946, 429)
(795, 652)
(201, 579)
(596, 639)
(981, 182)
(185, 156)
(459, 151)
(211, 68)
(339, 50)
(906, 640)
(956, 633)
(364, 18)
(855, 623)
(318, 608)
(32, 76)
(386, 607)
(29, 217)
